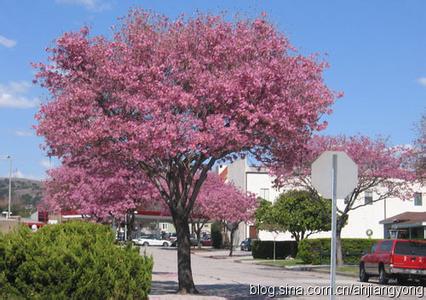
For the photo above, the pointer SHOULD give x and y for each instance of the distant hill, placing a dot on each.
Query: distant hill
(26, 194)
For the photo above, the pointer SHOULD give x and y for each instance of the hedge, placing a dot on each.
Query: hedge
(75, 260)
(317, 251)
(265, 249)
(216, 234)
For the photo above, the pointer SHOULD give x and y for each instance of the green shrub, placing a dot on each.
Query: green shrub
(265, 249)
(216, 233)
(317, 251)
(75, 260)
(312, 251)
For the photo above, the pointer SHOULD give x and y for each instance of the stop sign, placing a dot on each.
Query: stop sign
(346, 174)
(334, 175)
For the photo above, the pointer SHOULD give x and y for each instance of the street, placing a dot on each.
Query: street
(218, 278)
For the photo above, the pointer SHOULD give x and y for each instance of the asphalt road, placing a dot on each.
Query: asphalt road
(224, 278)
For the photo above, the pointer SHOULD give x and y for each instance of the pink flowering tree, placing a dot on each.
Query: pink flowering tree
(387, 171)
(106, 192)
(420, 149)
(219, 201)
(199, 216)
(212, 189)
(168, 99)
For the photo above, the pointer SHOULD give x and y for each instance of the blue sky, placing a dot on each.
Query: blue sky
(376, 49)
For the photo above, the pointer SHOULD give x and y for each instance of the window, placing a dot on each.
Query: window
(410, 248)
(368, 197)
(264, 194)
(386, 246)
(164, 225)
(418, 199)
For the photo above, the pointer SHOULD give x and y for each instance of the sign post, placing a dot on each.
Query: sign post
(334, 175)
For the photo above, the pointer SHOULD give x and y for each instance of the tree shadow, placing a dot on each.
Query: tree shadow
(163, 287)
(233, 291)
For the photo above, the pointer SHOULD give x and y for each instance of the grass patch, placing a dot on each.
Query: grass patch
(280, 262)
(348, 269)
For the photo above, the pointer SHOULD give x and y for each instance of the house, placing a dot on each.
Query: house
(362, 223)
(411, 225)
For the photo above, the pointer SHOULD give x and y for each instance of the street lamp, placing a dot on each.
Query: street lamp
(10, 184)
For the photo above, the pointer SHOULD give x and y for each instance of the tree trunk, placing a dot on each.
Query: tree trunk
(231, 242)
(198, 227)
(130, 225)
(339, 252)
(186, 282)
(225, 237)
(296, 237)
(232, 228)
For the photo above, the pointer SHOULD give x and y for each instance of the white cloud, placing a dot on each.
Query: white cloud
(94, 5)
(12, 95)
(45, 163)
(23, 133)
(19, 174)
(422, 81)
(4, 41)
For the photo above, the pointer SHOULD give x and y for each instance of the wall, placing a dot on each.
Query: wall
(236, 173)
(7, 225)
(261, 184)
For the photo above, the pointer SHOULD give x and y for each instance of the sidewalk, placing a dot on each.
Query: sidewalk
(246, 257)
(224, 277)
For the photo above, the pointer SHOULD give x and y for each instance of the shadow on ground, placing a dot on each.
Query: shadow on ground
(232, 291)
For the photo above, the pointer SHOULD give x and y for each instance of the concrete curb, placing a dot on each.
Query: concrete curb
(337, 272)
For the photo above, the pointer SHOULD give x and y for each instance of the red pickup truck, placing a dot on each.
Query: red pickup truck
(400, 259)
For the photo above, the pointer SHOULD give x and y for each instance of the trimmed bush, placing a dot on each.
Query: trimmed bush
(265, 249)
(216, 233)
(75, 260)
(317, 251)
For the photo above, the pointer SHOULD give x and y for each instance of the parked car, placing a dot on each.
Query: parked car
(193, 240)
(151, 240)
(172, 237)
(400, 259)
(206, 242)
(246, 245)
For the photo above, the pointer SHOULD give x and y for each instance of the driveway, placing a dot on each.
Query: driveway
(225, 278)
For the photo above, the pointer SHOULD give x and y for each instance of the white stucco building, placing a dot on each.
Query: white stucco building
(258, 181)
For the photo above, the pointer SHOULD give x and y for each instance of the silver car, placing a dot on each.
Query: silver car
(151, 240)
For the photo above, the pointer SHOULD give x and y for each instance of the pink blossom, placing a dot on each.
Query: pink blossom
(219, 201)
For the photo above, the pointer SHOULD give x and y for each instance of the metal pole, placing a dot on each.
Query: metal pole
(333, 229)
(384, 208)
(10, 186)
(125, 227)
(274, 248)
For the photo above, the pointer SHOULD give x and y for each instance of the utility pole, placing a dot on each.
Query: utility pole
(10, 184)
(333, 226)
